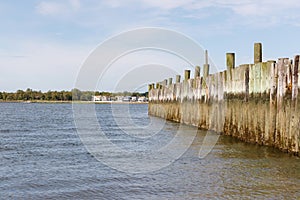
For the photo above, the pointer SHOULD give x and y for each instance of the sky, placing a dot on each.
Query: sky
(43, 43)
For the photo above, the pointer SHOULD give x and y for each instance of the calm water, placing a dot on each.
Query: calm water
(42, 157)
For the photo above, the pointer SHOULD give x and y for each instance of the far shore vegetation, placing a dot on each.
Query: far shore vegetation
(55, 96)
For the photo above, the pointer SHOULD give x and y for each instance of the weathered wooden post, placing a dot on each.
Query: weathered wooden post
(273, 81)
(281, 86)
(281, 130)
(185, 84)
(187, 74)
(205, 71)
(270, 136)
(197, 72)
(149, 87)
(257, 53)
(178, 77)
(205, 76)
(230, 63)
(170, 81)
(294, 117)
(230, 60)
(283, 64)
(157, 85)
(177, 90)
(247, 81)
(196, 76)
(206, 66)
(165, 82)
(206, 57)
(298, 75)
(295, 78)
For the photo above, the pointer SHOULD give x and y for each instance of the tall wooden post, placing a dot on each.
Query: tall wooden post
(295, 78)
(206, 66)
(187, 75)
(178, 77)
(170, 81)
(197, 72)
(230, 63)
(257, 53)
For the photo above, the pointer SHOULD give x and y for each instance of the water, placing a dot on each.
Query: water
(42, 157)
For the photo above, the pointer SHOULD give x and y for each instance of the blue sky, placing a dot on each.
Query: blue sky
(44, 43)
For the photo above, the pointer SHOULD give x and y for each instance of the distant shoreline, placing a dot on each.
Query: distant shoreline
(70, 102)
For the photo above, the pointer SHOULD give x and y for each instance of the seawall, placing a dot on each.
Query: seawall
(257, 103)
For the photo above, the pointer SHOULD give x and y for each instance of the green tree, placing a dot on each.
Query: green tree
(76, 94)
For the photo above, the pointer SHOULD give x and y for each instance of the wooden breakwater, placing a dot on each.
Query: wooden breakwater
(257, 103)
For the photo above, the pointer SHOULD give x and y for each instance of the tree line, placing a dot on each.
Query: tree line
(74, 94)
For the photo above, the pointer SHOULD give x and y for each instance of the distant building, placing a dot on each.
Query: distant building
(142, 99)
(119, 98)
(134, 99)
(126, 99)
(96, 98)
(101, 98)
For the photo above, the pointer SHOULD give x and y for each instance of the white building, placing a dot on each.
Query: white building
(134, 99)
(100, 98)
(142, 99)
(96, 98)
(119, 98)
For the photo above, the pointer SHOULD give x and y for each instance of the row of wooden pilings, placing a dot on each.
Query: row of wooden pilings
(259, 100)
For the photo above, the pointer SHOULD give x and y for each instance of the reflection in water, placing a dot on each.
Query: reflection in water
(42, 157)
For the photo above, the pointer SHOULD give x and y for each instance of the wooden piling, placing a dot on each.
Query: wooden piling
(197, 72)
(295, 78)
(247, 83)
(157, 85)
(170, 81)
(178, 77)
(205, 71)
(187, 75)
(257, 53)
(273, 102)
(165, 82)
(230, 63)
(270, 115)
(273, 81)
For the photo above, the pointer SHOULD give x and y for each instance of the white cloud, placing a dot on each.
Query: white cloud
(266, 13)
(246, 12)
(258, 7)
(245, 7)
(271, 12)
(59, 7)
(49, 8)
(168, 4)
(75, 4)
(115, 3)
